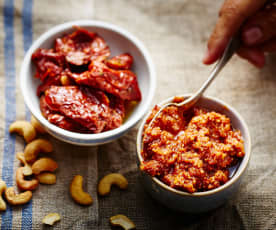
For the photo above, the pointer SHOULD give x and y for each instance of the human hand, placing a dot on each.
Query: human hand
(256, 21)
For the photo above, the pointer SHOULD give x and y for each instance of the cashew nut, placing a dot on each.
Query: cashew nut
(27, 169)
(77, 192)
(23, 128)
(17, 199)
(44, 164)
(47, 178)
(3, 187)
(122, 221)
(38, 127)
(35, 147)
(25, 184)
(110, 179)
(51, 218)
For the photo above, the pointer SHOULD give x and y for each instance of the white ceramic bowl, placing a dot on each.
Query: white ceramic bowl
(119, 41)
(200, 201)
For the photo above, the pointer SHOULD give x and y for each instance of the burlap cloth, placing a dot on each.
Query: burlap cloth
(175, 32)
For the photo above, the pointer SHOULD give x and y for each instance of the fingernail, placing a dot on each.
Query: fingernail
(206, 57)
(252, 35)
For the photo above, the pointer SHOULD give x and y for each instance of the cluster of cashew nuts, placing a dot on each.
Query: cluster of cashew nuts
(43, 169)
(39, 169)
(104, 187)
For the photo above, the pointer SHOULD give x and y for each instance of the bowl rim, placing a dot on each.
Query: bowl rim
(88, 23)
(237, 175)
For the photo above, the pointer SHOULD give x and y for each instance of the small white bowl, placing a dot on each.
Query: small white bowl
(119, 41)
(199, 201)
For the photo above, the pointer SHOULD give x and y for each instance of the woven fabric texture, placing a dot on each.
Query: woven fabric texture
(175, 33)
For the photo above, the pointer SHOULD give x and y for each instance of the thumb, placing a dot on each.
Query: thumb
(260, 27)
(232, 15)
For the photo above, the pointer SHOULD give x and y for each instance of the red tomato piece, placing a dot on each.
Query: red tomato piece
(100, 49)
(58, 119)
(47, 83)
(82, 46)
(121, 83)
(122, 61)
(66, 123)
(48, 63)
(117, 113)
(87, 107)
(44, 107)
(117, 104)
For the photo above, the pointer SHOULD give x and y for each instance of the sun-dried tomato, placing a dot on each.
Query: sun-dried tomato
(58, 119)
(117, 113)
(44, 107)
(100, 50)
(117, 104)
(86, 106)
(122, 61)
(121, 83)
(47, 83)
(95, 96)
(82, 46)
(66, 123)
(48, 63)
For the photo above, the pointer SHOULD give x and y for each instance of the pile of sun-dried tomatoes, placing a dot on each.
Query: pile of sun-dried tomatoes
(83, 89)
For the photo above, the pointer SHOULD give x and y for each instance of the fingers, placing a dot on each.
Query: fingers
(254, 55)
(259, 36)
(260, 27)
(233, 13)
(269, 46)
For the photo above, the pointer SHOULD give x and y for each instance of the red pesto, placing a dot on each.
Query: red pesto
(191, 151)
(98, 87)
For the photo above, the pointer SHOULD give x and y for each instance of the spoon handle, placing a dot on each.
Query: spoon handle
(231, 48)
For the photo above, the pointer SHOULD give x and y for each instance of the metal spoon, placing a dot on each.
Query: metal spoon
(231, 48)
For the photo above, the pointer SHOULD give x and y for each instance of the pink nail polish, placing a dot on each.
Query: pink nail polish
(252, 35)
